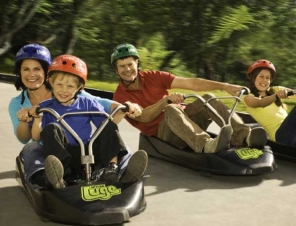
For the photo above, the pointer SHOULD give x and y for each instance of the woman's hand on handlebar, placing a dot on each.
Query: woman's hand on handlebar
(23, 115)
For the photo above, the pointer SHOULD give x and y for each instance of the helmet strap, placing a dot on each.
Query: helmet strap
(128, 82)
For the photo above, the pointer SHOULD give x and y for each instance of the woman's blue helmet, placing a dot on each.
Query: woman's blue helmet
(33, 51)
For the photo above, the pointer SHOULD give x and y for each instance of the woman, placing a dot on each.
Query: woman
(265, 103)
(31, 66)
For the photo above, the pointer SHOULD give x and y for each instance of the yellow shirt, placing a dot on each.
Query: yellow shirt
(270, 117)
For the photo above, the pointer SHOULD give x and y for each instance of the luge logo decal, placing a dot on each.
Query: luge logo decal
(99, 192)
(248, 153)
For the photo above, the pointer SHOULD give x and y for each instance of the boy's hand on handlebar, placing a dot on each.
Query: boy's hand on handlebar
(134, 110)
(32, 111)
(175, 98)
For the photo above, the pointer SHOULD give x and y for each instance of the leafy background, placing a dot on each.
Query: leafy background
(216, 40)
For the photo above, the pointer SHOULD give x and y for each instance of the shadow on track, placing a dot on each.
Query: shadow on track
(166, 177)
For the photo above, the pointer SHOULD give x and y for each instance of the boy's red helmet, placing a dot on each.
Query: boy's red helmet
(70, 64)
(261, 64)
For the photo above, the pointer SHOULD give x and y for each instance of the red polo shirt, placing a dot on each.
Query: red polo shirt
(154, 85)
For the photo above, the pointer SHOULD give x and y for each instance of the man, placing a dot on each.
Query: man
(164, 117)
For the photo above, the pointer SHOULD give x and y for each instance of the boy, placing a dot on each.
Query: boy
(67, 75)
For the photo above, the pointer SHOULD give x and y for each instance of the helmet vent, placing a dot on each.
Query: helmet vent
(64, 62)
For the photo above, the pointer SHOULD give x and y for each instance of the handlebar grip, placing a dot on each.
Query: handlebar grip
(245, 90)
(37, 111)
(126, 109)
(292, 92)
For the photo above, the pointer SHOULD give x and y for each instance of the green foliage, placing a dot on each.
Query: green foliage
(235, 19)
(152, 51)
(108, 86)
(211, 39)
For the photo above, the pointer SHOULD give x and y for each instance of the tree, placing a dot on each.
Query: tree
(15, 15)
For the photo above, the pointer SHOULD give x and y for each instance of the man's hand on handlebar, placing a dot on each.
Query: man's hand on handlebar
(234, 90)
(175, 98)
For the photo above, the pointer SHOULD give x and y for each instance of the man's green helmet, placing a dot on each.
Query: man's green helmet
(123, 50)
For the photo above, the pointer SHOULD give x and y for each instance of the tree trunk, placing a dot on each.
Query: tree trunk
(22, 17)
